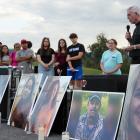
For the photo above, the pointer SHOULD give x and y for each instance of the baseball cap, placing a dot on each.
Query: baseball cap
(96, 97)
(23, 41)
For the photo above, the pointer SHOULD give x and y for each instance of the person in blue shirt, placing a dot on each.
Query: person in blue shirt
(111, 60)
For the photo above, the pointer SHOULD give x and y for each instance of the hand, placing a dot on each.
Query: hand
(72, 69)
(129, 48)
(59, 71)
(56, 64)
(128, 35)
(46, 66)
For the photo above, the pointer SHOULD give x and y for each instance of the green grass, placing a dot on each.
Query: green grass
(91, 71)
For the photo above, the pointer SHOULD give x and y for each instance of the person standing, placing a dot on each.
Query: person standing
(5, 58)
(111, 60)
(133, 15)
(60, 58)
(24, 57)
(45, 57)
(75, 53)
(17, 47)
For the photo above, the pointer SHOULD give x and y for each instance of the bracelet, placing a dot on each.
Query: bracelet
(134, 47)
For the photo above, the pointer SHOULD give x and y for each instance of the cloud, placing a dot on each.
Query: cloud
(35, 19)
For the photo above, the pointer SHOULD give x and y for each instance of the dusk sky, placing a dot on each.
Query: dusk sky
(35, 19)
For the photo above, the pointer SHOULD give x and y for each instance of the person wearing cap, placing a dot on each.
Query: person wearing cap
(24, 57)
(75, 53)
(90, 124)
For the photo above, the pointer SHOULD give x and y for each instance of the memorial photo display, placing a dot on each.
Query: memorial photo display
(94, 115)
(48, 103)
(4, 80)
(130, 122)
(24, 99)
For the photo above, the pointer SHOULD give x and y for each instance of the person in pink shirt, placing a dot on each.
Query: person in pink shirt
(17, 47)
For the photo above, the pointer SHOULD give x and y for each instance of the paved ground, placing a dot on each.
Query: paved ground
(12, 133)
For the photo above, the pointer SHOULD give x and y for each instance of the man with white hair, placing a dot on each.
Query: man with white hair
(133, 15)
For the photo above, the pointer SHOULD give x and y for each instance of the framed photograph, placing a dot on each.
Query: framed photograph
(26, 94)
(48, 103)
(94, 115)
(4, 80)
(130, 122)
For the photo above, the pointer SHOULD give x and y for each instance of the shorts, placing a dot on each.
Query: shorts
(77, 74)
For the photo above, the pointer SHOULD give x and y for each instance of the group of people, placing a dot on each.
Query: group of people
(67, 61)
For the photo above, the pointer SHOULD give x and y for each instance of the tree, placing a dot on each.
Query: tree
(97, 49)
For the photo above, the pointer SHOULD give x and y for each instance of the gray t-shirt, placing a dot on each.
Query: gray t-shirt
(27, 65)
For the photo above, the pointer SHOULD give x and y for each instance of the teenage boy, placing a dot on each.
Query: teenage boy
(75, 53)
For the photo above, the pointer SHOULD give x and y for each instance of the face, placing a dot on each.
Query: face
(111, 45)
(46, 43)
(93, 107)
(135, 110)
(132, 17)
(4, 50)
(62, 43)
(24, 45)
(74, 40)
(17, 47)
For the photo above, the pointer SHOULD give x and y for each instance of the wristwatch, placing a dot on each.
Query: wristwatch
(134, 46)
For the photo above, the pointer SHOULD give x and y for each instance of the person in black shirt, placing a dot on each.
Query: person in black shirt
(75, 53)
(45, 57)
(133, 14)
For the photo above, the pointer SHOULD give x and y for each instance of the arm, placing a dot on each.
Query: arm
(40, 61)
(118, 66)
(69, 63)
(25, 58)
(102, 67)
(7, 62)
(79, 56)
(52, 60)
(132, 47)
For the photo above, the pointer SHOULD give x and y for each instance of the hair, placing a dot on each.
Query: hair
(114, 40)
(0, 43)
(46, 96)
(73, 35)
(16, 116)
(59, 47)
(29, 44)
(2, 54)
(42, 44)
(16, 44)
(134, 9)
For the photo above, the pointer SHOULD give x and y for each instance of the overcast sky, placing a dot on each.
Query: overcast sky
(35, 19)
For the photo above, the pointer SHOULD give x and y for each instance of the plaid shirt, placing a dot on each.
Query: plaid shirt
(83, 132)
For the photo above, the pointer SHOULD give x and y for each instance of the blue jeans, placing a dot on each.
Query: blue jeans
(45, 72)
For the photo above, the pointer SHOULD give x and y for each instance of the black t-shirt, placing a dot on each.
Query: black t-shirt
(135, 40)
(46, 55)
(74, 50)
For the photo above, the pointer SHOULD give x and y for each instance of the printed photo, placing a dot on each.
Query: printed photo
(130, 122)
(94, 115)
(24, 99)
(4, 80)
(47, 104)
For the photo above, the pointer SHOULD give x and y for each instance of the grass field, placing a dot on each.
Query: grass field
(91, 71)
